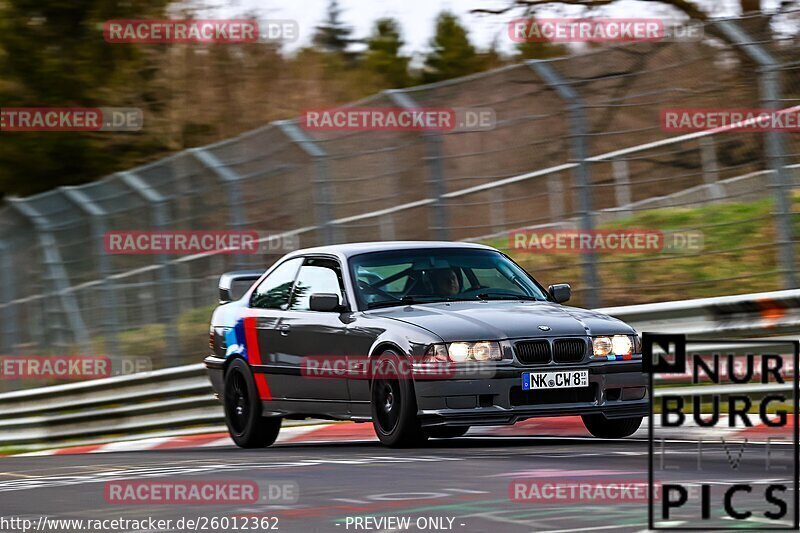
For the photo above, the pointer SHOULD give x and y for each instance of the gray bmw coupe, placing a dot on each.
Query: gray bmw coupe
(423, 339)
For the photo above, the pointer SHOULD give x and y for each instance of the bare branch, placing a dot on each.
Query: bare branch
(685, 6)
(516, 4)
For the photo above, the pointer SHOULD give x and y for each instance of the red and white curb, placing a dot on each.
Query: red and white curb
(568, 426)
(562, 426)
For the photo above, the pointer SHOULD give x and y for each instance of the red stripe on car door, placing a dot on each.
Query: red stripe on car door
(254, 356)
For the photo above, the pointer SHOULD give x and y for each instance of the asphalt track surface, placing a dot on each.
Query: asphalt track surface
(464, 480)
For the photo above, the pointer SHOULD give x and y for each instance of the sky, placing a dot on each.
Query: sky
(417, 17)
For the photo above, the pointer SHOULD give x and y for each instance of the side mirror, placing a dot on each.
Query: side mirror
(560, 292)
(227, 280)
(324, 301)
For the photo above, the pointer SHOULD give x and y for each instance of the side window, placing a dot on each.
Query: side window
(273, 292)
(316, 275)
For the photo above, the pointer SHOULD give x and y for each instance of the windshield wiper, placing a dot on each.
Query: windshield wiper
(409, 300)
(390, 303)
(505, 296)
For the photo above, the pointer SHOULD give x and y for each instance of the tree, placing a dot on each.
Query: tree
(383, 53)
(540, 50)
(756, 25)
(452, 54)
(332, 36)
(52, 54)
(492, 57)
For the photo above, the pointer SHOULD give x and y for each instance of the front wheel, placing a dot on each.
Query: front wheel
(605, 428)
(247, 427)
(394, 404)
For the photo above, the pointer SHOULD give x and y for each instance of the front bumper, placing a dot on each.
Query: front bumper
(616, 390)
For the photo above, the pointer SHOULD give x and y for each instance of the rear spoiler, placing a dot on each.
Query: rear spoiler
(227, 280)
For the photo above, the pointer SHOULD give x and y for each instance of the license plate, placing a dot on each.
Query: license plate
(560, 379)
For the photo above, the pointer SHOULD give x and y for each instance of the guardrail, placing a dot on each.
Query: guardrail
(172, 400)
(180, 401)
(745, 315)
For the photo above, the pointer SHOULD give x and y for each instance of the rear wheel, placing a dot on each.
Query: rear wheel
(615, 428)
(247, 427)
(394, 404)
(447, 432)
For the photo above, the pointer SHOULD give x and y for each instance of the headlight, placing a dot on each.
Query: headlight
(461, 352)
(621, 345)
(485, 351)
(601, 346)
(616, 347)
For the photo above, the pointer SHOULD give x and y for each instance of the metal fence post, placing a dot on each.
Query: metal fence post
(433, 158)
(555, 191)
(622, 184)
(769, 82)
(321, 181)
(582, 176)
(386, 225)
(708, 159)
(109, 304)
(7, 290)
(57, 276)
(497, 212)
(165, 297)
(231, 181)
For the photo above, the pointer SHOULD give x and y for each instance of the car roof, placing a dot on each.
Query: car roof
(351, 249)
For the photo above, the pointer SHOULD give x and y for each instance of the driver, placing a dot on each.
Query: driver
(445, 281)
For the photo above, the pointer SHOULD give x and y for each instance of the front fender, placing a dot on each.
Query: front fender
(405, 340)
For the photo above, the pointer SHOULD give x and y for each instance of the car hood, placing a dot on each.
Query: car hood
(496, 320)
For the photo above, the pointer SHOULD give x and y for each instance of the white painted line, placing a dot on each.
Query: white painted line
(131, 445)
(671, 523)
(760, 520)
(294, 432)
(36, 454)
(592, 528)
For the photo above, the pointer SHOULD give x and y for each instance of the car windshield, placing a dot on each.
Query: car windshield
(400, 277)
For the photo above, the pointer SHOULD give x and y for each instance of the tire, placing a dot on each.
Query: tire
(447, 432)
(604, 428)
(247, 427)
(394, 405)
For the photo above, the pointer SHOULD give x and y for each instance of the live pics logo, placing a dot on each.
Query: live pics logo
(736, 463)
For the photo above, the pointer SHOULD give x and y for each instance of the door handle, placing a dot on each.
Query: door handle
(284, 329)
